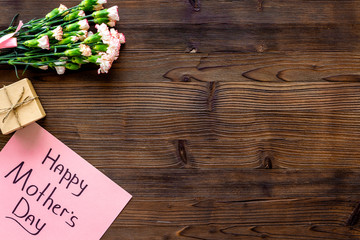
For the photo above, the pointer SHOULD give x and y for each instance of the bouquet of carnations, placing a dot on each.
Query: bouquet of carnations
(62, 40)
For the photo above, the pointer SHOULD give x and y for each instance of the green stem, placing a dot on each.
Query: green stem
(44, 55)
(6, 31)
(76, 20)
(8, 55)
(66, 45)
(60, 14)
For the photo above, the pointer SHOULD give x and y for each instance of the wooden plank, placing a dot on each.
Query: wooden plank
(232, 204)
(242, 37)
(271, 67)
(236, 184)
(147, 125)
(211, 11)
(273, 153)
(260, 12)
(213, 67)
(228, 25)
(230, 232)
(245, 153)
(297, 211)
(202, 110)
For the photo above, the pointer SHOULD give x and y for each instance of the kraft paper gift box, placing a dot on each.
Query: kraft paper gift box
(19, 106)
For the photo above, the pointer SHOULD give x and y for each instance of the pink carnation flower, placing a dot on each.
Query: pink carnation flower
(114, 48)
(114, 33)
(85, 50)
(84, 24)
(60, 70)
(104, 32)
(62, 8)
(83, 36)
(111, 23)
(105, 62)
(58, 33)
(81, 13)
(44, 67)
(122, 38)
(99, 5)
(113, 13)
(44, 42)
(59, 66)
(74, 38)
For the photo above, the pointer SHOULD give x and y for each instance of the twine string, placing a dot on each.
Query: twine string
(15, 105)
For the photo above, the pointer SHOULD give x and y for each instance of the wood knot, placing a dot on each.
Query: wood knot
(186, 78)
(195, 4)
(182, 151)
(267, 163)
(260, 5)
(354, 216)
(261, 48)
(191, 48)
(211, 96)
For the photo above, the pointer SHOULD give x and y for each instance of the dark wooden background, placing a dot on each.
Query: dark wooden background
(224, 119)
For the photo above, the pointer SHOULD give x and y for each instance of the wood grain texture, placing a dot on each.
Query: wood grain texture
(239, 204)
(224, 119)
(213, 67)
(175, 26)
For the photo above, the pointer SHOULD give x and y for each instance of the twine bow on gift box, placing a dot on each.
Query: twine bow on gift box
(15, 105)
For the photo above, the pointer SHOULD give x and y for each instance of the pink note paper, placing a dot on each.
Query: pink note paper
(47, 191)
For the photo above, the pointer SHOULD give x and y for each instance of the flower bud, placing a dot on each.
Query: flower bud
(82, 34)
(110, 13)
(93, 38)
(72, 66)
(68, 40)
(72, 52)
(79, 60)
(93, 58)
(52, 14)
(90, 5)
(56, 11)
(100, 47)
(45, 59)
(74, 15)
(81, 25)
(101, 20)
(42, 42)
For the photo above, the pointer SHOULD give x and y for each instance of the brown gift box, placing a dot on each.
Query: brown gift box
(19, 106)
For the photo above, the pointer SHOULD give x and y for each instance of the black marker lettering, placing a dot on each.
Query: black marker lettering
(21, 212)
(28, 190)
(66, 176)
(30, 218)
(43, 191)
(82, 189)
(64, 210)
(56, 206)
(50, 199)
(59, 168)
(74, 180)
(17, 178)
(51, 159)
(72, 224)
